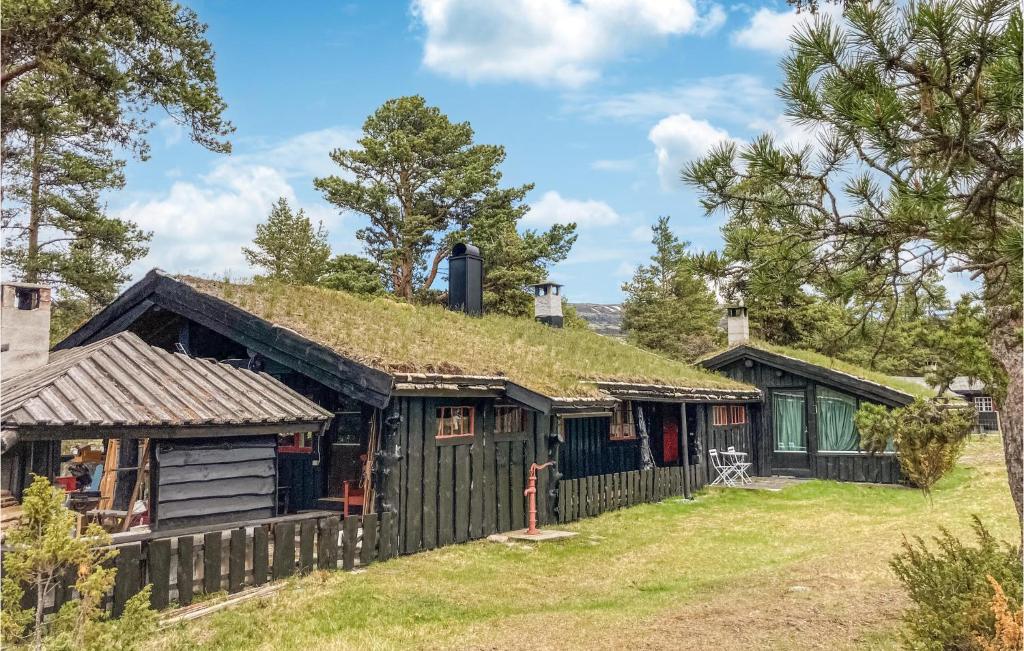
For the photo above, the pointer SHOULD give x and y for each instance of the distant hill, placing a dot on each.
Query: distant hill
(604, 319)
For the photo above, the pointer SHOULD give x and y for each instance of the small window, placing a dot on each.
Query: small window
(622, 427)
(720, 415)
(983, 403)
(453, 422)
(508, 419)
(737, 415)
(300, 442)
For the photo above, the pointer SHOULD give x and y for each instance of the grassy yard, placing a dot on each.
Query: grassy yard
(802, 568)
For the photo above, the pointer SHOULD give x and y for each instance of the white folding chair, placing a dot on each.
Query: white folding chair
(726, 473)
(741, 466)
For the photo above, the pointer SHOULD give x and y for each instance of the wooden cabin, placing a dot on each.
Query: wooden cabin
(438, 415)
(807, 428)
(194, 440)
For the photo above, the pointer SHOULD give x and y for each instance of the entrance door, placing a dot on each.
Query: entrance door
(670, 439)
(789, 432)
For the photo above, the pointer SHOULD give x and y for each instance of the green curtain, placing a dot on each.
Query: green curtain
(788, 414)
(836, 429)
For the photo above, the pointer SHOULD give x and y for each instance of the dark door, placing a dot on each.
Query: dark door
(789, 432)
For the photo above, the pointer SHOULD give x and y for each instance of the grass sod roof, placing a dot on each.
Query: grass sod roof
(897, 384)
(398, 337)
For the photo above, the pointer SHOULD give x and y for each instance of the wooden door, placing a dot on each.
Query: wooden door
(670, 439)
(790, 456)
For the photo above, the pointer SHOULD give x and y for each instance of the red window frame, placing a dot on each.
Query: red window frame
(622, 427)
(509, 419)
(737, 415)
(719, 415)
(446, 419)
(302, 442)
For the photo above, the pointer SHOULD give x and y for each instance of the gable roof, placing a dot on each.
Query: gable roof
(362, 346)
(123, 383)
(884, 388)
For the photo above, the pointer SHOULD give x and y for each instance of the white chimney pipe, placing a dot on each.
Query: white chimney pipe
(24, 327)
(547, 304)
(736, 325)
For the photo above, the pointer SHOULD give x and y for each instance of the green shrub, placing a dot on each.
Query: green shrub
(929, 437)
(950, 589)
(39, 552)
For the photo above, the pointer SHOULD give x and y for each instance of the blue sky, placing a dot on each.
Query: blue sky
(597, 102)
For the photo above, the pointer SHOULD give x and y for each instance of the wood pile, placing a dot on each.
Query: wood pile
(10, 511)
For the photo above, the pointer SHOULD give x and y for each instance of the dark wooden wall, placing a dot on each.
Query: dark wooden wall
(848, 466)
(720, 438)
(587, 450)
(26, 458)
(448, 492)
(209, 481)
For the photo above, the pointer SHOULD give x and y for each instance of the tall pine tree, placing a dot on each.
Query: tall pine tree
(668, 307)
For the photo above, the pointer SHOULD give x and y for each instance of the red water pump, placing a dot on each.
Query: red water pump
(531, 493)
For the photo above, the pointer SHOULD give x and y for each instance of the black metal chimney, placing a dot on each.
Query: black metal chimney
(466, 280)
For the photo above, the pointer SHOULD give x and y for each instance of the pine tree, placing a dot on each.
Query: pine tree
(918, 113)
(668, 307)
(288, 247)
(424, 184)
(55, 226)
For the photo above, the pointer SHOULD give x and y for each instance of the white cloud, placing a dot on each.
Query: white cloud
(711, 21)
(306, 154)
(201, 224)
(735, 96)
(769, 31)
(679, 139)
(556, 42)
(614, 165)
(787, 132)
(554, 209)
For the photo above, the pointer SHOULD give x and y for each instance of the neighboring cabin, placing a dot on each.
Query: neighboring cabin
(976, 393)
(807, 428)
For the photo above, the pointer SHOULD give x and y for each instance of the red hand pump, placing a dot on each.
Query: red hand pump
(531, 493)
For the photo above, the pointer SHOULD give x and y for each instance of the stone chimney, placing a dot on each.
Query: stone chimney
(547, 303)
(736, 324)
(24, 327)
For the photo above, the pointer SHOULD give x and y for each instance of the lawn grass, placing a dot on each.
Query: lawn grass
(803, 568)
(398, 337)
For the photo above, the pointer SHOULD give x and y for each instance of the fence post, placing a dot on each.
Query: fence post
(160, 572)
(128, 580)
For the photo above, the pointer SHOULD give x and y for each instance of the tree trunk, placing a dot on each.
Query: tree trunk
(1005, 345)
(37, 634)
(35, 215)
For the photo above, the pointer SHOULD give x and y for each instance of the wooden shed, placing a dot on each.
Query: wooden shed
(209, 430)
(807, 427)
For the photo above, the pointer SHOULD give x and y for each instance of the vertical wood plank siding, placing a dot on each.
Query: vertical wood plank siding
(855, 467)
(451, 493)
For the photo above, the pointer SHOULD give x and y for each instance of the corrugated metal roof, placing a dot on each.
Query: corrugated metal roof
(124, 382)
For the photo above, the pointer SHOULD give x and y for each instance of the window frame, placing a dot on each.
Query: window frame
(442, 410)
(980, 401)
(519, 426)
(719, 415)
(737, 409)
(299, 443)
(622, 426)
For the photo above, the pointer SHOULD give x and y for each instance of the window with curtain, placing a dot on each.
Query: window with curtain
(836, 429)
(788, 418)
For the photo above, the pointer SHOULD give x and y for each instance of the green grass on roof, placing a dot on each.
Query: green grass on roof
(811, 357)
(398, 337)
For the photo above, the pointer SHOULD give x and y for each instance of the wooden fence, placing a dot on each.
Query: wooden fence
(589, 496)
(181, 564)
